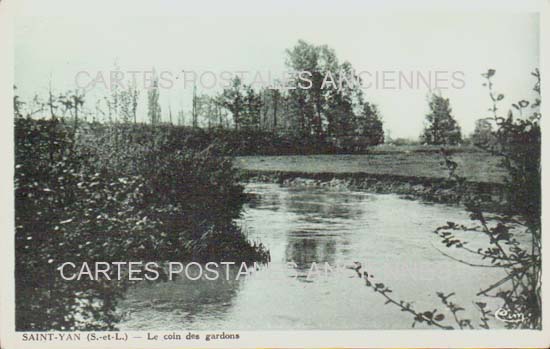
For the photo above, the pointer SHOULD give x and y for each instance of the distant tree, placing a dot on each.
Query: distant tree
(17, 106)
(243, 102)
(52, 103)
(233, 100)
(441, 127)
(271, 107)
(196, 108)
(153, 105)
(483, 133)
(181, 118)
(113, 102)
(27, 109)
(128, 101)
(252, 108)
(72, 103)
(370, 124)
(221, 113)
(387, 136)
(208, 108)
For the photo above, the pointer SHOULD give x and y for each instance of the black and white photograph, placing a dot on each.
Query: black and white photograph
(187, 180)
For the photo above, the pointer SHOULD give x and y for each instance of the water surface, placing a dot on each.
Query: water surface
(391, 237)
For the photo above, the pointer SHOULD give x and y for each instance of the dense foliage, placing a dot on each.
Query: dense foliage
(114, 192)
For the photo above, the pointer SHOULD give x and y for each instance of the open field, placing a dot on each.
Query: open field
(418, 161)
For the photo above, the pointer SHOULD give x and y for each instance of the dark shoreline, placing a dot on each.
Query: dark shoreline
(439, 190)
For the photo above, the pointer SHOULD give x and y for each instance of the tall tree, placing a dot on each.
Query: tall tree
(232, 99)
(327, 106)
(370, 125)
(272, 103)
(441, 128)
(195, 110)
(308, 103)
(252, 109)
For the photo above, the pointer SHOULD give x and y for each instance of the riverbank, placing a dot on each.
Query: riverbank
(408, 161)
(424, 188)
(416, 172)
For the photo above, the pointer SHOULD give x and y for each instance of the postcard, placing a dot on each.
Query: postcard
(273, 175)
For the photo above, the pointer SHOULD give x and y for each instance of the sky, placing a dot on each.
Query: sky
(60, 49)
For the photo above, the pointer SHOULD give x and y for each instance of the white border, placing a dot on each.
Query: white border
(295, 339)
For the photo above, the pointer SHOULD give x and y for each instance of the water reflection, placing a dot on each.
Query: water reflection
(317, 209)
(304, 250)
(316, 205)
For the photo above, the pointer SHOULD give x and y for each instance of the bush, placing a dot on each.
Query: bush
(114, 193)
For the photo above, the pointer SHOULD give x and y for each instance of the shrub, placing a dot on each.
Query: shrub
(113, 193)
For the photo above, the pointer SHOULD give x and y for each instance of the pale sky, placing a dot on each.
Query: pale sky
(60, 47)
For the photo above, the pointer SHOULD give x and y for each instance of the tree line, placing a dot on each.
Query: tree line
(338, 118)
(316, 113)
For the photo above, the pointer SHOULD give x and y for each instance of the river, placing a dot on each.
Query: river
(390, 236)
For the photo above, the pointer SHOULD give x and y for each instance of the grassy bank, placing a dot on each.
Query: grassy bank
(406, 161)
